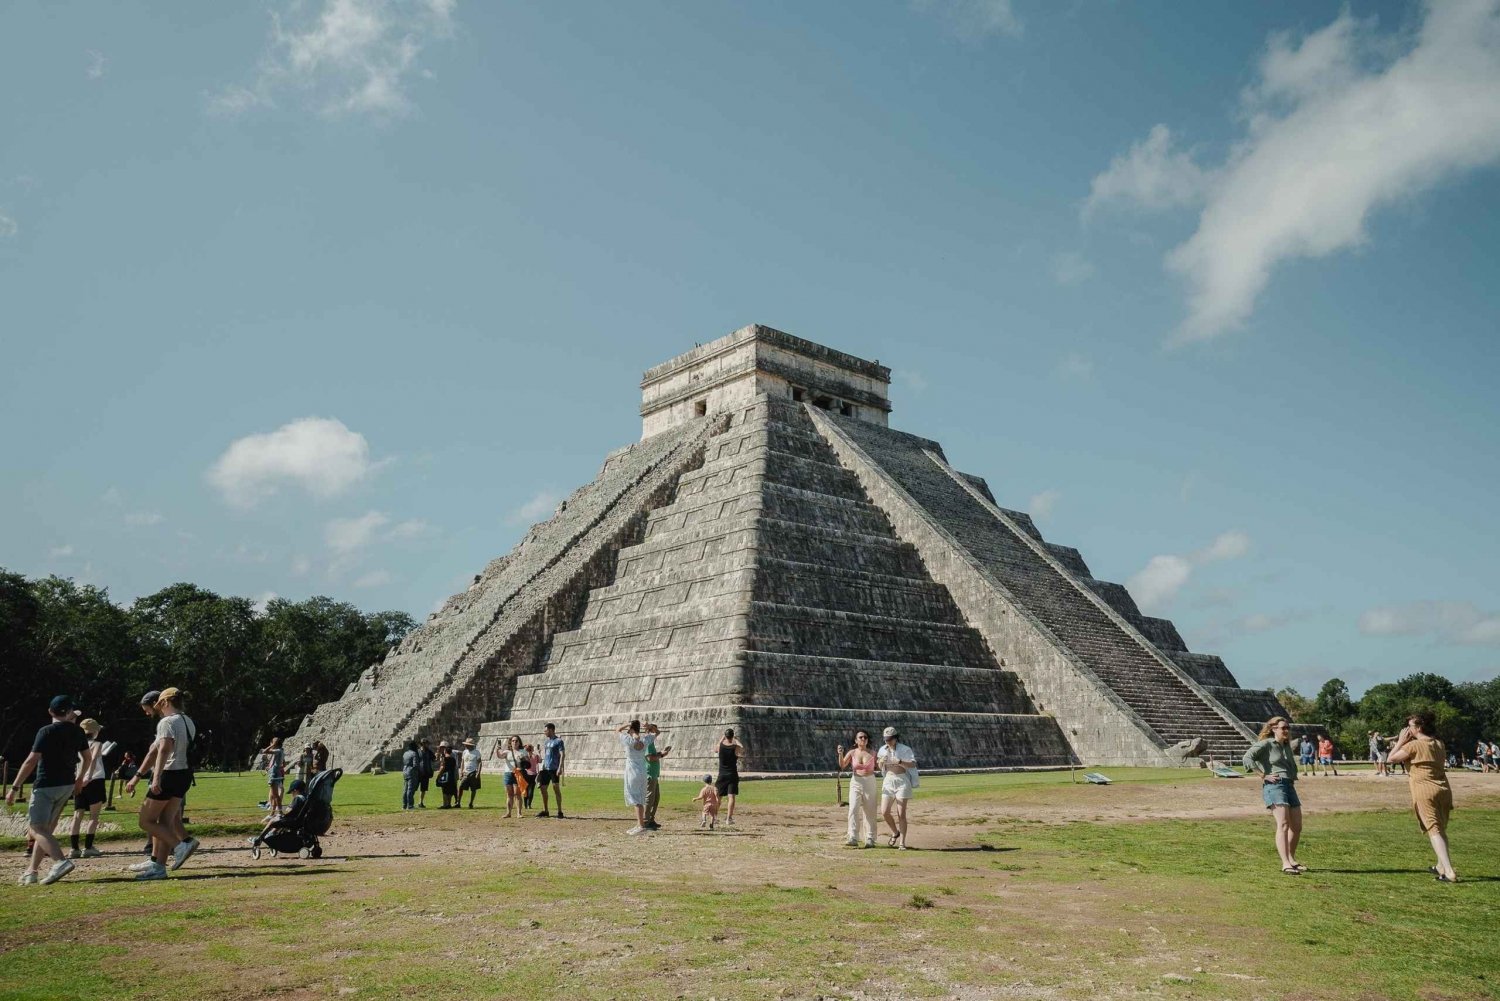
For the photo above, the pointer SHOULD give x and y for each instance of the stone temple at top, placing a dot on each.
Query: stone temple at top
(772, 557)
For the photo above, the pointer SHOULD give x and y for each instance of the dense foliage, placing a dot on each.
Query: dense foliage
(1465, 712)
(248, 674)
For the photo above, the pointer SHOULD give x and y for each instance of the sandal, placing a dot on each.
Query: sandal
(1299, 867)
(1291, 870)
(892, 842)
(1444, 879)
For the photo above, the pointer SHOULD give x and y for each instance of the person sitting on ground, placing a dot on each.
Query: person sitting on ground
(709, 797)
(1431, 797)
(90, 799)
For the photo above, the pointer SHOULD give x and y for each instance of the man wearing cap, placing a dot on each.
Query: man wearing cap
(54, 757)
(90, 799)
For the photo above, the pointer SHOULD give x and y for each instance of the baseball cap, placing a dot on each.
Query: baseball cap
(149, 699)
(888, 732)
(168, 693)
(60, 704)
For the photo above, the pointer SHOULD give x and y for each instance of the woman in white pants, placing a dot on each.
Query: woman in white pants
(860, 761)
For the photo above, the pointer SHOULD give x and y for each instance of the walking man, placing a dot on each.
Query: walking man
(653, 775)
(54, 757)
(554, 756)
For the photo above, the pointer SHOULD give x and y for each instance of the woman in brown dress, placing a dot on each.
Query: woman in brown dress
(1423, 754)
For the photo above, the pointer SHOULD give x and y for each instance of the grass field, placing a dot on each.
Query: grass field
(1162, 885)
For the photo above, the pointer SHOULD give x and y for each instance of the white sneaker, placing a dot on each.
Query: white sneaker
(852, 842)
(155, 871)
(870, 843)
(636, 830)
(28, 878)
(92, 852)
(58, 871)
(145, 866)
(183, 852)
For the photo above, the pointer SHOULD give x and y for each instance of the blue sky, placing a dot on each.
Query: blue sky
(339, 296)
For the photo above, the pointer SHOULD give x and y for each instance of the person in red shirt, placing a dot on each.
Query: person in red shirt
(1325, 755)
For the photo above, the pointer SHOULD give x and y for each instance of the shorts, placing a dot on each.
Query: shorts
(895, 787)
(174, 785)
(546, 777)
(275, 781)
(728, 785)
(1327, 759)
(509, 778)
(46, 806)
(469, 782)
(1281, 793)
(89, 795)
(423, 783)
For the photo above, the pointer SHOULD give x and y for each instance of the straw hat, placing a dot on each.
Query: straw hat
(91, 727)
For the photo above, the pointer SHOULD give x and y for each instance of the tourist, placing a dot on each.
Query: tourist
(273, 759)
(148, 708)
(428, 762)
(1306, 751)
(635, 772)
(1272, 757)
(728, 780)
(305, 764)
(447, 775)
(168, 761)
(90, 799)
(899, 763)
(473, 764)
(513, 763)
(1493, 753)
(54, 757)
(1325, 755)
(709, 797)
(1378, 753)
(320, 757)
(533, 765)
(861, 762)
(1431, 798)
(653, 775)
(554, 756)
(411, 775)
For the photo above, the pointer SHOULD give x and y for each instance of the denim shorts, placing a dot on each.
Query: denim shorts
(1281, 793)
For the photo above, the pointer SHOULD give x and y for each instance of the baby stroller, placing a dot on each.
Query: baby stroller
(298, 831)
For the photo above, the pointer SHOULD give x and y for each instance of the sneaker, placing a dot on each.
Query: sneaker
(560, 815)
(545, 813)
(153, 871)
(711, 824)
(421, 806)
(262, 806)
(75, 853)
(183, 852)
(652, 825)
(92, 852)
(150, 863)
(730, 821)
(58, 871)
(636, 830)
(28, 878)
(870, 843)
(852, 843)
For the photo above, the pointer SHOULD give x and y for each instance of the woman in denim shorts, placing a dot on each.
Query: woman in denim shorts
(1273, 758)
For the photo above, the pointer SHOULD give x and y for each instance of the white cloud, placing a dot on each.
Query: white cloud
(1071, 268)
(1459, 622)
(1342, 123)
(301, 566)
(375, 578)
(1076, 367)
(140, 519)
(318, 454)
(346, 57)
(1150, 175)
(8, 226)
(412, 528)
(96, 66)
(60, 552)
(540, 506)
(975, 19)
(347, 535)
(1157, 583)
(1041, 505)
(260, 601)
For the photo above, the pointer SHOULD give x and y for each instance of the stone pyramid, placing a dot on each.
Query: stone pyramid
(772, 557)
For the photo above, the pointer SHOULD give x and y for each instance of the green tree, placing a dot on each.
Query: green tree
(1333, 704)
(22, 700)
(1301, 708)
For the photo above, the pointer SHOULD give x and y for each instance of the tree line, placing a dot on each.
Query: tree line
(1465, 712)
(248, 674)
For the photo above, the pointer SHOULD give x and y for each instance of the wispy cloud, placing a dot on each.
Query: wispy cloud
(8, 226)
(346, 535)
(541, 504)
(1459, 622)
(374, 578)
(1337, 125)
(1041, 505)
(60, 552)
(97, 65)
(318, 454)
(346, 57)
(974, 19)
(1158, 582)
(141, 519)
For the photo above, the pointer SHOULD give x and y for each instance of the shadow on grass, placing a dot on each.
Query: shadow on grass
(1402, 872)
(235, 874)
(971, 848)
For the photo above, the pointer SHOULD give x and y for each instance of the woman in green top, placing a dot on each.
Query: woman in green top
(1273, 757)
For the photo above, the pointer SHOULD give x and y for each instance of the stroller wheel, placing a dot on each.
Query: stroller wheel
(275, 853)
(305, 853)
(317, 851)
(255, 851)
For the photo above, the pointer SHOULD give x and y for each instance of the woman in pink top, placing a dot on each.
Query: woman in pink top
(863, 792)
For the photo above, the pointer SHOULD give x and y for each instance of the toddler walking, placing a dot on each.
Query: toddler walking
(709, 797)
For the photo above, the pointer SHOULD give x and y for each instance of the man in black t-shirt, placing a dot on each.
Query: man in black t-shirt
(54, 757)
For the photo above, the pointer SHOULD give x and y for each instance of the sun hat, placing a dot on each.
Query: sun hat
(888, 732)
(60, 704)
(149, 699)
(91, 726)
(468, 741)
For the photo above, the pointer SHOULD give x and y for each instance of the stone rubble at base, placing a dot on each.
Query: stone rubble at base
(772, 557)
